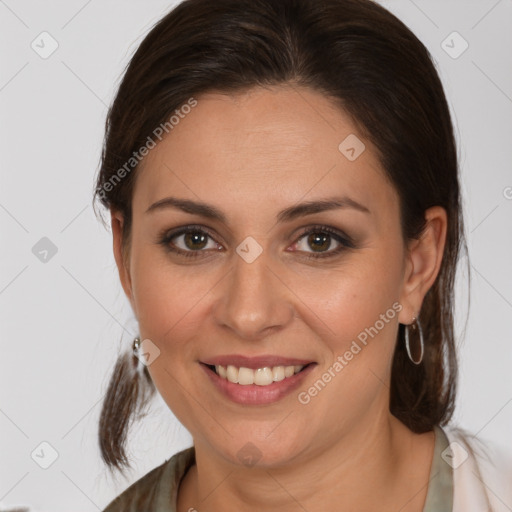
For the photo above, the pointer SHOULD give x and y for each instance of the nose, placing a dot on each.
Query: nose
(254, 300)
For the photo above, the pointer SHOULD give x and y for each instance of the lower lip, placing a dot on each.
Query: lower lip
(252, 394)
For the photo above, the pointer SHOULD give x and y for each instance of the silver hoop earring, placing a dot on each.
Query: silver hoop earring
(407, 343)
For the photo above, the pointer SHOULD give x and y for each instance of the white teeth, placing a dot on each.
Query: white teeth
(245, 376)
(261, 376)
(289, 371)
(231, 374)
(278, 373)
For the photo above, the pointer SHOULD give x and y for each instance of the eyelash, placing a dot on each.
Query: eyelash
(345, 241)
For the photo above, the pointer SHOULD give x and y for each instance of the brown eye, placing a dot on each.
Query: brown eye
(317, 241)
(194, 240)
(190, 241)
(321, 240)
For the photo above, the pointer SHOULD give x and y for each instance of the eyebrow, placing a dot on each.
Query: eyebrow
(286, 215)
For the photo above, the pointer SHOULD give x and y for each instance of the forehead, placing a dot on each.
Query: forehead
(261, 146)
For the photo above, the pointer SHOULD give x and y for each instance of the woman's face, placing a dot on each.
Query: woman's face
(246, 283)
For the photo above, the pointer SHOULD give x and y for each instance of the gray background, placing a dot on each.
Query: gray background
(64, 320)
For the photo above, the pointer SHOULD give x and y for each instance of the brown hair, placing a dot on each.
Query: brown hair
(374, 68)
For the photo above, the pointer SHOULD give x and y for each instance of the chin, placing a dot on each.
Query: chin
(262, 453)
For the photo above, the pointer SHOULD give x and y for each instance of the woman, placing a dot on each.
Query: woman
(282, 180)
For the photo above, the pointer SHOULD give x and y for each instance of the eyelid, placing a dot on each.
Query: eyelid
(341, 237)
(327, 229)
(166, 235)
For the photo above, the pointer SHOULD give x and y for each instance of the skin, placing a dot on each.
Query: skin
(252, 155)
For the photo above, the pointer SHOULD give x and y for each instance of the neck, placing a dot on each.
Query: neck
(380, 466)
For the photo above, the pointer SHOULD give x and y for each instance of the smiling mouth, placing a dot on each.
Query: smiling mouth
(260, 376)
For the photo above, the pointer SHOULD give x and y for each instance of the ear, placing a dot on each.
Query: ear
(123, 267)
(423, 261)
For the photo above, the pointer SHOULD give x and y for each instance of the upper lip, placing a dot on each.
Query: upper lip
(254, 363)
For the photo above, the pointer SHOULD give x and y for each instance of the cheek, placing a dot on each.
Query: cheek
(168, 302)
(165, 295)
(355, 309)
(356, 293)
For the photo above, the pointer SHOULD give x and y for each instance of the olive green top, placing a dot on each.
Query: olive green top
(157, 491)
